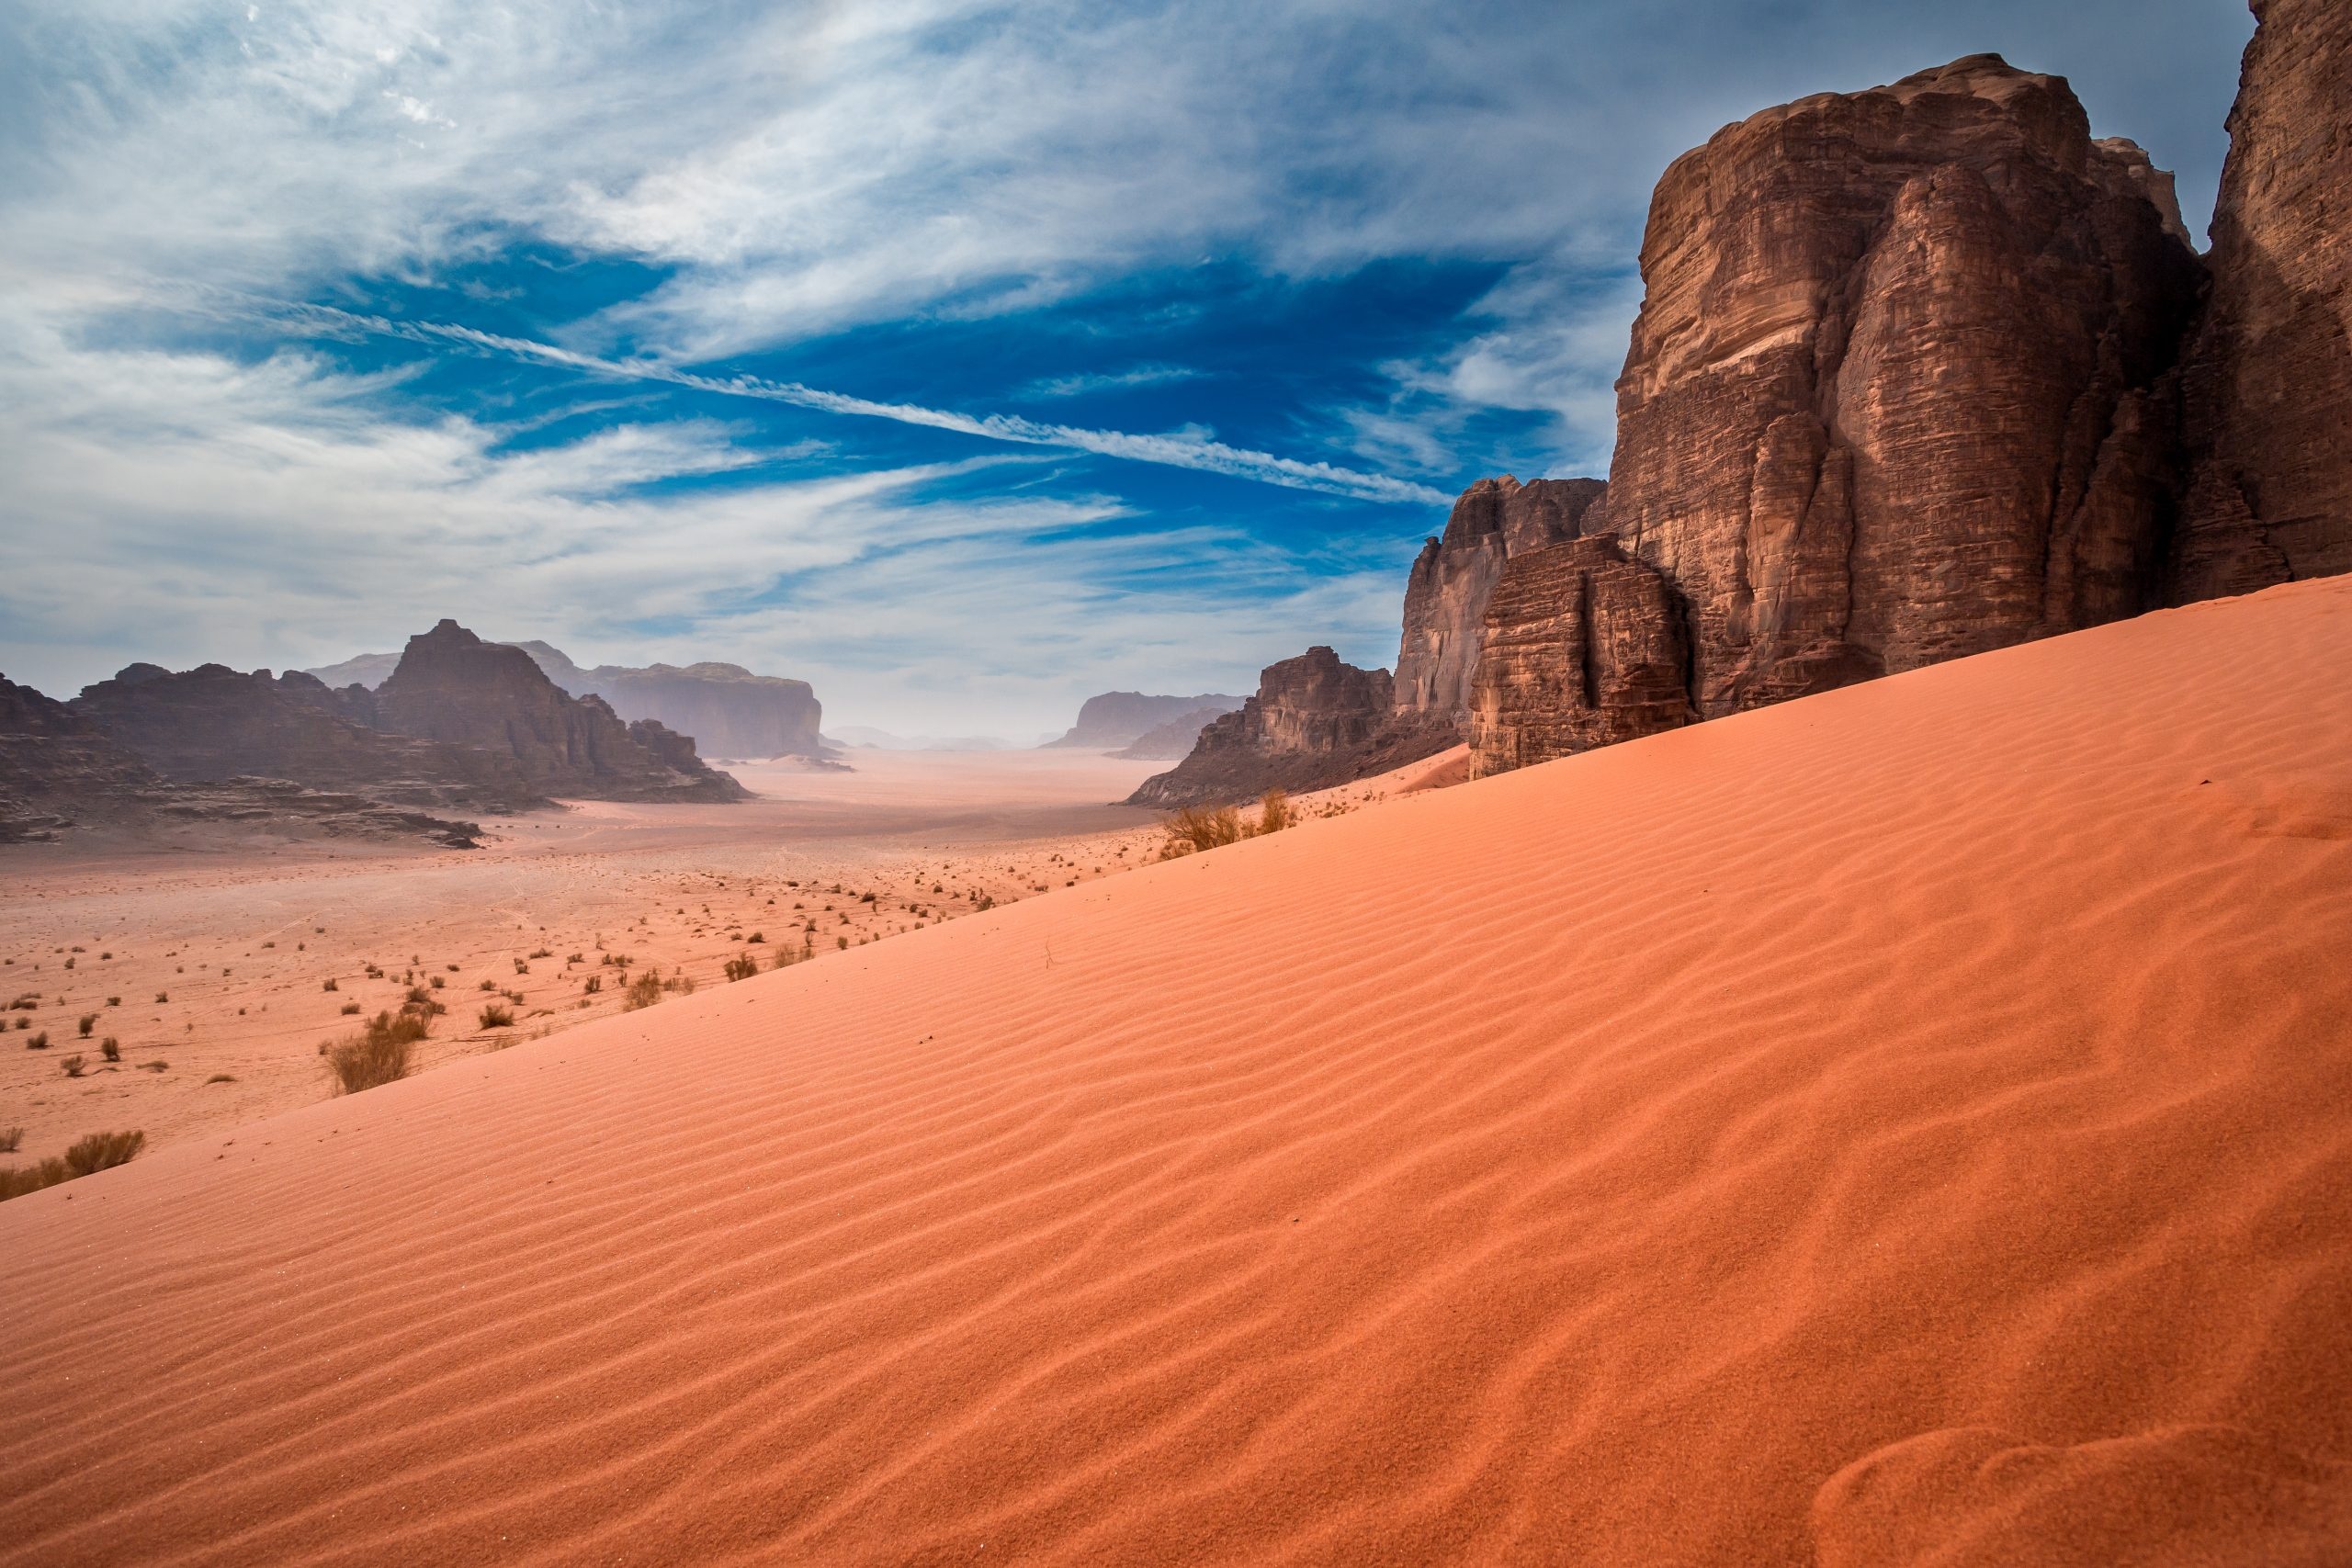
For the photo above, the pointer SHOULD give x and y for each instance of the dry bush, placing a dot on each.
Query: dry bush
(1196, 828)
(593, 984)
(742, 968)
(111, 1048)
(1274, 812)
(682, 983)
(221, 1078)
(15, 1181)
(39, 1042)
(331, 986)
(643, 991)
(100, 1150)
(497, 1015)
(86, 1022)
(385, 1052)
(11, 1139)
(72, 1065)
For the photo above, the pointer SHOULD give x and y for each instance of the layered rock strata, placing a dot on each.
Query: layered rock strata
(1897, 389)
(1581, 648)
(2268, 384)
(1446, 592)
(452, 686)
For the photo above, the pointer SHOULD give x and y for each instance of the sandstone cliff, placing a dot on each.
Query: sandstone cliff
(1313, 723)
(2268, 384)
(1446, 592)
(1121, 718)
(213, 723)
(1896, 392)
(1581, 648)
(452, 686)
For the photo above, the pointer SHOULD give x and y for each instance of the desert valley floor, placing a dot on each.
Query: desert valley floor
(1901, 1125)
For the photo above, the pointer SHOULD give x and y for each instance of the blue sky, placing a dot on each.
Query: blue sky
(961, 358)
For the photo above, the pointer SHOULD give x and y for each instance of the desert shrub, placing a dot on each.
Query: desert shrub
(15, 1181)
(100, 1151)
(521, 967)
(497, 1015)
(350, 1008)
(221, 1078)
(515, 997)
(72, 1065)
(1274, 812)
(163, 996)
(645, 990)
(593, 984)
(111, 1048)
(842, 942)
(542, 953)
(438, 982)
(742, 968)
(86, 1022)
(682, 983)
(39, 1042)
(490, 984)
(1196, 828)
(11, 1139)
(114, 1001)
(331, 986)
(382, 1053)
(417, 997)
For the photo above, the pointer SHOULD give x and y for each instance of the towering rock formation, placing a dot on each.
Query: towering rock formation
(1445, 597)
(1315, 722)
(1121, 718)
(214, 723)
(1581, 648)
(454, 687)
(2269, 379)
(1171, 741)
(724, 708)
(1896, 392)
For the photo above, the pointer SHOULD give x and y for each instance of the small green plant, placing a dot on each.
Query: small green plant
(497, 1015)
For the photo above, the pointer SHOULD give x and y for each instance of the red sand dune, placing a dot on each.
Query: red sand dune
(1909, 1126)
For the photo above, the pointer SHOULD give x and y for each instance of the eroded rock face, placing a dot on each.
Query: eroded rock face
(1171, 741)
(1445, 597)
(2269, 386)
(452, 686)
(213, 723)
(1896, 393)
(1122, 718)
(1581, 648)
(1315, 722)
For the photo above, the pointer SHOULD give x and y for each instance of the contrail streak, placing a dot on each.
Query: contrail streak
(1173, 451)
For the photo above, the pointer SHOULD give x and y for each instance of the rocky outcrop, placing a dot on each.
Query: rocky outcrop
(1122, 718)
(59, 774)
(213, 723)
(1581, 648)
(1897, 390)
(1446, 594)
(726, 709)
(2268, 384)
(1173, 740)
(452, 686)
(1315, 723)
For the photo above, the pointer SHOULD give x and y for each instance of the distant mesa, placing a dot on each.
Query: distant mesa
(1122, 718)
(726, 709)
(60, 773)
(866, 738)
(1919, 372)
(1168, 742)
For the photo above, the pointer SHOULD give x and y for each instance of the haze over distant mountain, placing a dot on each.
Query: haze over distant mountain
(726, 709)
(1120, 718)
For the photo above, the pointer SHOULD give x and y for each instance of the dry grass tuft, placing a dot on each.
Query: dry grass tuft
(385, 1052)
(497, 1015)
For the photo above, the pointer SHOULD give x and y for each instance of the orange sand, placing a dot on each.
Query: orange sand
(1910, 1124)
